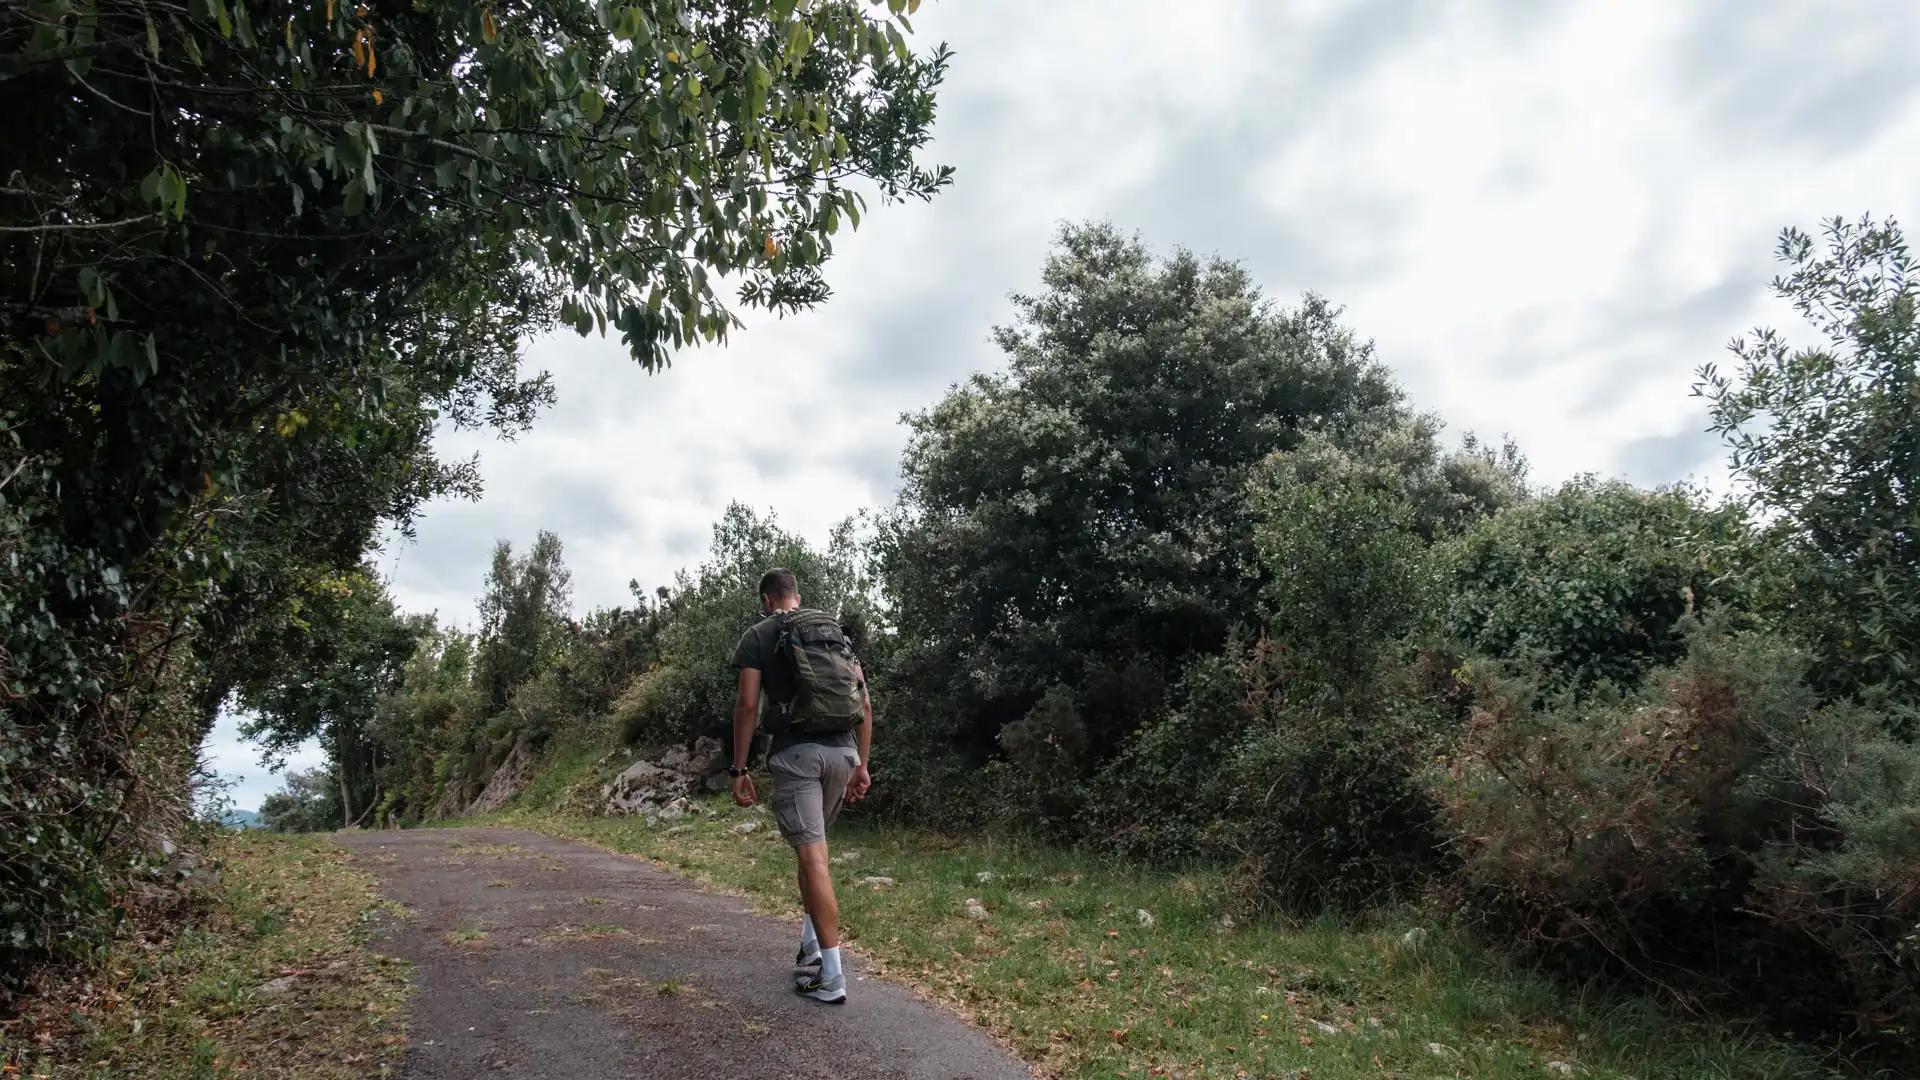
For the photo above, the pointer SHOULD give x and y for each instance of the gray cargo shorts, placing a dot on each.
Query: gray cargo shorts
(809, 783)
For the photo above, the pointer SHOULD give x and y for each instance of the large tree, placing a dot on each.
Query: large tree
(1082, 519)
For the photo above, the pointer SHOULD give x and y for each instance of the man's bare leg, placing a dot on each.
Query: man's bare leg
(816, 889)
(816, 892)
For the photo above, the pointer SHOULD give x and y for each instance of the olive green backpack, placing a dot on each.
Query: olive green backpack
(828, 695)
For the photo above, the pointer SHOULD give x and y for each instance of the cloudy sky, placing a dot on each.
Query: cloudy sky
(1547, 216)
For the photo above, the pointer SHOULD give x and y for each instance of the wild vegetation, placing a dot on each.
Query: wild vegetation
(1189, 583)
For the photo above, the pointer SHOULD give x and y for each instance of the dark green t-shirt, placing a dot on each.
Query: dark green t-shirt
(756, 650)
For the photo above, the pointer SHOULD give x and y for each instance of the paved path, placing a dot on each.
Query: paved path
(538, 957)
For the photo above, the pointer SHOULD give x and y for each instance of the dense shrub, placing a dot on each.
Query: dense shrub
(1324, 810)
(1590, 584)
(1315, 797)
(1339, 543)
(1720, 830)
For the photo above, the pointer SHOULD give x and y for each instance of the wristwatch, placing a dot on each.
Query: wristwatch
(736, 771)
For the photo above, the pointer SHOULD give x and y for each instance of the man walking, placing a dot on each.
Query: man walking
(797, 666)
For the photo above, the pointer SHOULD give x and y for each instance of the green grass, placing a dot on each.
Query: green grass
(1068, 973)
(270, 980)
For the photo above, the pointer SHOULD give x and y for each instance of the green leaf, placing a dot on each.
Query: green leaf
(799, 39)
(92, 287)
(592, 105)
(355, 200)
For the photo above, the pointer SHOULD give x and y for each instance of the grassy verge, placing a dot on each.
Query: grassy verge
(1091, 968)
(269, 981)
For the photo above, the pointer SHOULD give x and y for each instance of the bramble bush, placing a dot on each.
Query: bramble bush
(1723, 830)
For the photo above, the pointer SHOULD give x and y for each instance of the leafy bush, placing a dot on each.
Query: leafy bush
(1590, 584)
(1720, 830)
(1348, 576)
(1324, 808)
(1316, 799)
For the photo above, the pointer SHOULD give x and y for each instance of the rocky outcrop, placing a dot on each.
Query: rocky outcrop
(659, 789)
(506, 781)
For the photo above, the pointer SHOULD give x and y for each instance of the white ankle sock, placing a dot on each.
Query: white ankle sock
(806, 930)
(830, 964)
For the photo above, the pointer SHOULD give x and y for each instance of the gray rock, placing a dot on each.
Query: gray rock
(745, 827)
(507, 781)
(875, 881)
(275, 987)
(975, 910)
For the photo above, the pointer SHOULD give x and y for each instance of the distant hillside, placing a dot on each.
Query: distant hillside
(242, 819)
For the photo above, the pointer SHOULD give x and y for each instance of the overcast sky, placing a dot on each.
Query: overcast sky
(1547, 216)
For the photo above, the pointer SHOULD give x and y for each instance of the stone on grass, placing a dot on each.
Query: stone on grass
(1326, 1028)
(876, 881)
(275, 987)
(745, 827)
(983, 876)
(1415, 938)
(1144, 918)
(974, 909)
(1562, 1068)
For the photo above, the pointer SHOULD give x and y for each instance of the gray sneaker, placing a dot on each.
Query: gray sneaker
(832, 992)
(808, 956)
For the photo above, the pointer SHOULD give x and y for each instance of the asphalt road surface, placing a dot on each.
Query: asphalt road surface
(536, 957)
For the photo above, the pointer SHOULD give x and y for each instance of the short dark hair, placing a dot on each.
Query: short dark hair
(779, 582)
